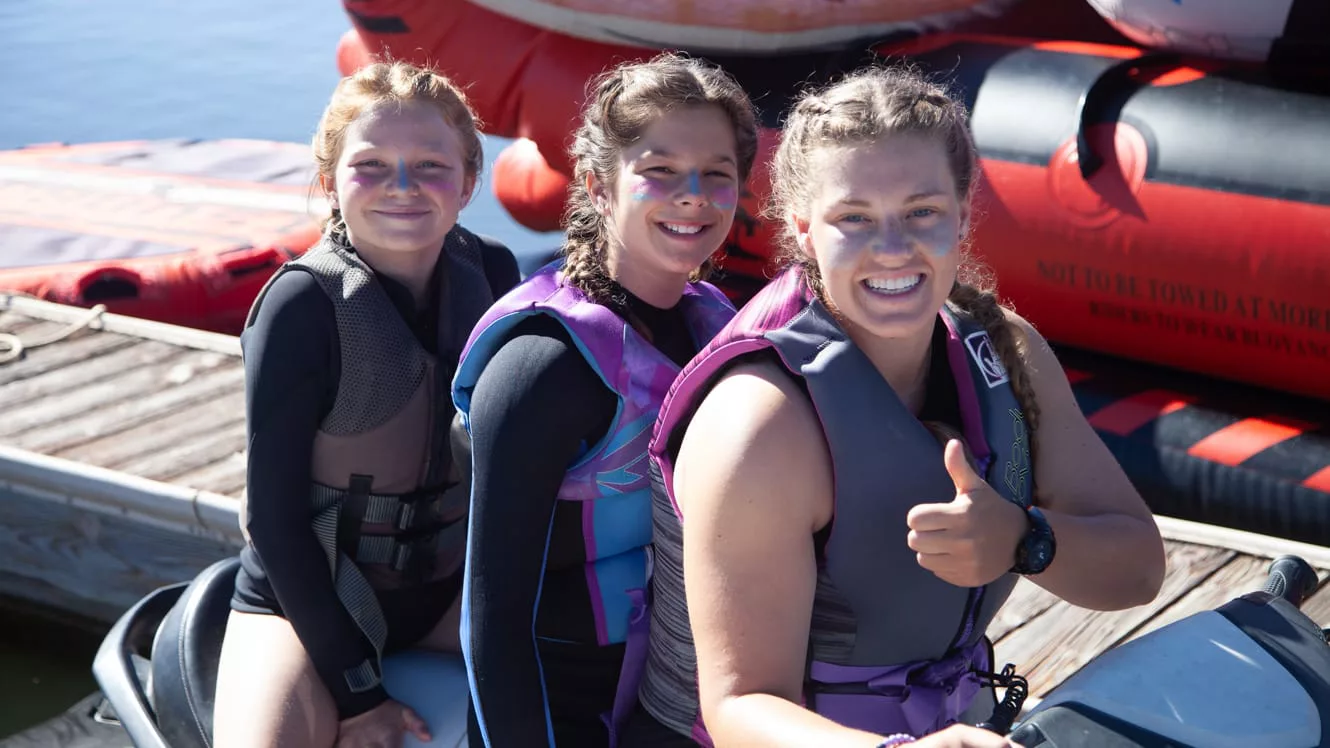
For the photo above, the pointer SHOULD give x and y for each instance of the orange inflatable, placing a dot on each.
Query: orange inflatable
(1139, 204)
(185, 232)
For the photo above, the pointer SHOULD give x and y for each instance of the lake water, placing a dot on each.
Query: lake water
(80, 71)
(45, 666)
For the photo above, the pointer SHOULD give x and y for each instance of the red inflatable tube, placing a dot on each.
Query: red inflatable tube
(532, 191)
(525, 81)
(1144, 207)
(1150, 210)
(1211, 452)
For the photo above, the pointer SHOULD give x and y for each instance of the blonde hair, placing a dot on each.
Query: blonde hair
(623, 102)
(866, 106)
(396, 82)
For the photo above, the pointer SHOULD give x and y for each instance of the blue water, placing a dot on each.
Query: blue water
(81, 71)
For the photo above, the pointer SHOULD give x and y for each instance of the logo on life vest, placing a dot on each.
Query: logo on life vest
(981, 349)
(1017, 469)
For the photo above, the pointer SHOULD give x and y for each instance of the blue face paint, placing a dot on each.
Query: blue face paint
(694, 183)
(402, 183)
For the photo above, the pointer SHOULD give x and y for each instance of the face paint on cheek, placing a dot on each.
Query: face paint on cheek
(364, 180)
(850, 248)
(403, 182)
(642, 190)
(725, 198)
(437, 184)
(941, 239)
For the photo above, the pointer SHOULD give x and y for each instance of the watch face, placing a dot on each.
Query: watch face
(1040, 554)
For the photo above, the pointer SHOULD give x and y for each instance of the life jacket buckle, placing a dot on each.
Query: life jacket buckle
(415, 558)
(418, 509)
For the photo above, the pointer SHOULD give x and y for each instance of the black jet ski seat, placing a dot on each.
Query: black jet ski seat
(185, 654)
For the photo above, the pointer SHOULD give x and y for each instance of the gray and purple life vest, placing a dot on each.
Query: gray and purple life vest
(893, 649)
(610, 480)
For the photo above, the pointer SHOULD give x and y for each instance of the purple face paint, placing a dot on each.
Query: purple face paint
(644, 189)
(724, 197)
(403, 183)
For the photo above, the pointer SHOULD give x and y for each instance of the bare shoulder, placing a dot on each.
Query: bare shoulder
(755, 434)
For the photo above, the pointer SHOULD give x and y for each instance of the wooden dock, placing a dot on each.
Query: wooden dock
(122, 464)
(122, 455)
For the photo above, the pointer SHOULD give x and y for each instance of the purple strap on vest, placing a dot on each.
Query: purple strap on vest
(634, 664)
(917, 697)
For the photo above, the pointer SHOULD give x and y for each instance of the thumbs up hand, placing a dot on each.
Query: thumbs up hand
(971, 540)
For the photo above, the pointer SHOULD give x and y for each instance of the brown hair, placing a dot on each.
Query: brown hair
(867, 105)
(396, 82)
(621, 103)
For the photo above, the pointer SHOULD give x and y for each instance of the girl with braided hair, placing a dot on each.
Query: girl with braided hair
(825, 566)
(560, 385)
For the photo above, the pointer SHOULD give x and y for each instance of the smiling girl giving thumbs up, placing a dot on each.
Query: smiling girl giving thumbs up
(825, 568)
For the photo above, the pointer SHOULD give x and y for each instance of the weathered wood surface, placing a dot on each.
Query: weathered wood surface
(168, 407)
(91, 562)
(163, 410)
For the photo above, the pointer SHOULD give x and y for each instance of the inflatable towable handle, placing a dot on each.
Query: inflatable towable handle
(1103, 92)
(1291, 578)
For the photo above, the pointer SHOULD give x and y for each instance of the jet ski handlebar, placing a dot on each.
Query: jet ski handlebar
(1291, 578)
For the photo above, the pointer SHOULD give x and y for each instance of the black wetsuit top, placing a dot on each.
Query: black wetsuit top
(292, 369)
(536, 406)
(941, 404)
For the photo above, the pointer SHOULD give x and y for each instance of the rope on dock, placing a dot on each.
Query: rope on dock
(12, 346)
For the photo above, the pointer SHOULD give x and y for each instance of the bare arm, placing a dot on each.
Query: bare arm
(1109, 552)
(753, 480)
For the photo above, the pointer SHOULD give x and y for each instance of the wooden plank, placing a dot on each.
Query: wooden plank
(88, 372)
(226, 477)
(43, 594)
(13, 322)
(1051, 648)
(1317, 607)
(178, 427)
(1236, 578)
(164, 465)
(217, 383)
(59, 355)
(103, 562)
(123, 325)
(1242, 541)
(1241, 574)
(112, 388)
(1027, 602)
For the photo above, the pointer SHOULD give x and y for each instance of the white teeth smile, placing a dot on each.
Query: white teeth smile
(679, 228)
(894, 285)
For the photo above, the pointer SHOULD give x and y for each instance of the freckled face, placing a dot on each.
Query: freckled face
(885, 230)
(674, 199)
(401, 179)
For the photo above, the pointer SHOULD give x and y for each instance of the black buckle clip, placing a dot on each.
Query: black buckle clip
(415, 558)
